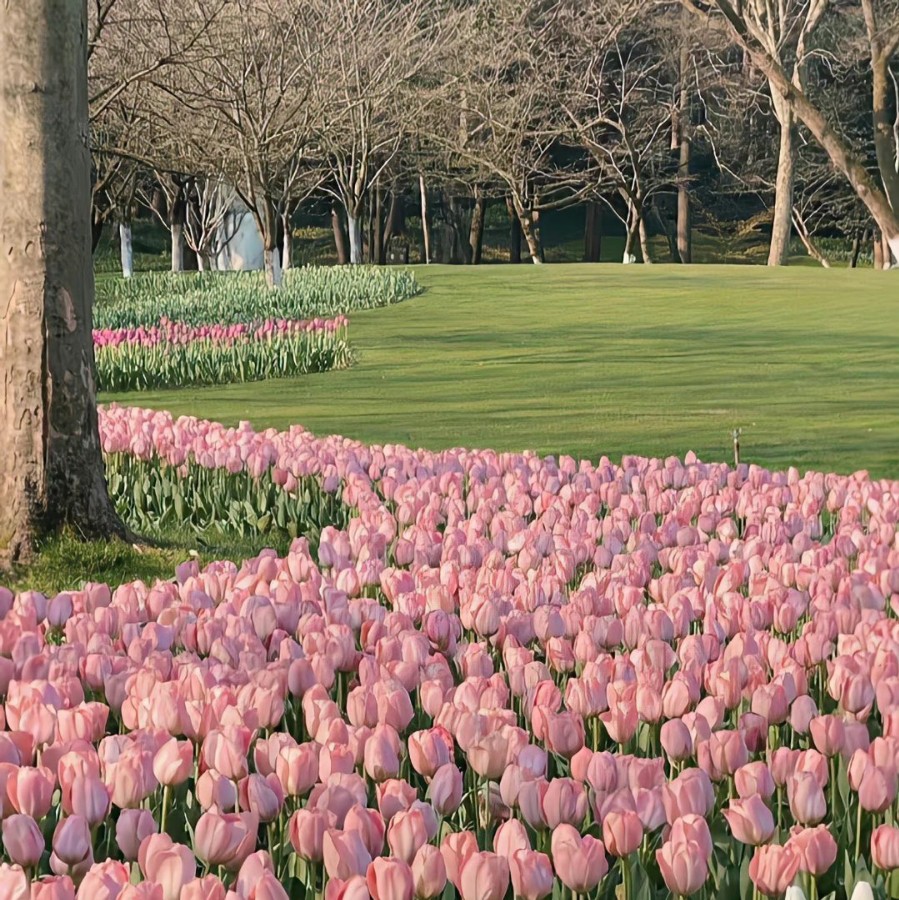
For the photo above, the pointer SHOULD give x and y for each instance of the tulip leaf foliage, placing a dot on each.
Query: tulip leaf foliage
(473, 674)
(240, 298)
(172, 355)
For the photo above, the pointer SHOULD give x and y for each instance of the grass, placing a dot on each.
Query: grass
(605, 359)
(66, 563)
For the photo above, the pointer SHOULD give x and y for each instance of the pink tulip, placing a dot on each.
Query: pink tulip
(173, 762)
(807, 802)
(23, 840)
(30, 791)
(816, 848)
(885, 847)
(445, 789)
(389, 878)
(72, 840)
(622, 832)
(773, 868)
(307, 833)
(428, 873)
(580, 862)
(532, 874)
(684, 867)
(484, 876)
(132, 826)
(750, 820)
(406, 833)
(344, 854)
(455, 850)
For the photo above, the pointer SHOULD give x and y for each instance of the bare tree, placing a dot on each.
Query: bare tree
(826, 131)
(53, 468)
(621, 102)
(376, 57)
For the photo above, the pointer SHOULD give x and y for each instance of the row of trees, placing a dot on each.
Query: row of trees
(653, 110)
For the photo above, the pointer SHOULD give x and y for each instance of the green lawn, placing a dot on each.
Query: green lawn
(610, 359)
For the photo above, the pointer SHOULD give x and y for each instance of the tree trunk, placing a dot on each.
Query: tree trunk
(857, 244)
(97, 224)
(390, 227)
(286, 241)
(425, 225)
(514, 233)
(177, 248)
(684, 215)
(889, 251)
(781, 228)
(377, 237)
(593, 232)
(354, 227)
(272, 264)
(644, 241)
(476, 232)
(530, 229)
(126, 249)
(340, 240)
(878, 250)
(881, 96)
(684, 227)
(52, 471)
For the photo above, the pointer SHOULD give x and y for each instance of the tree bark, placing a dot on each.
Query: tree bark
(286, 241)
(272, 264)
(425, 224)
(177, 248)
(340, 239)
(684, 227)
(354, 228)
(52, 471)
(126, 249)
(881, 98)
(97, 224)
(878, 250)
(529, 229)
(593, 232)
(476, 232)
(644, 241)
(377, 237)
(782, 226)
(391, 221)
(514, 233)
(684, 213)
(857, 243)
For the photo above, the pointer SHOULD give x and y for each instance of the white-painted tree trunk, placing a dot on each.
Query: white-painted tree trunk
(272, 269)
(126, 249)
(893, 244)
(425, 225)
(354, 227)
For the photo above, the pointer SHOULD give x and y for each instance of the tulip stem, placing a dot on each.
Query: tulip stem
(166, 792)
(858, 832)
(626, 877)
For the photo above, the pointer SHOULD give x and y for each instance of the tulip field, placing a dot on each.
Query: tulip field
(172, 354)
(239, 298)
(487, 675)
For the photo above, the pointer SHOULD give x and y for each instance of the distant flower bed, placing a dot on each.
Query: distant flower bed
(228, 298)
(176, 354)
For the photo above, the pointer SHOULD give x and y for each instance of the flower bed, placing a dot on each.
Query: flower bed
(497, 674)
(174, 354)
(228, 298)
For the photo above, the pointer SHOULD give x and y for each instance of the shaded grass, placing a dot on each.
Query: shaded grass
(605, 359)
(65, 563)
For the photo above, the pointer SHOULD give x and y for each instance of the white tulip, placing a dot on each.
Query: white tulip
(862, 892)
